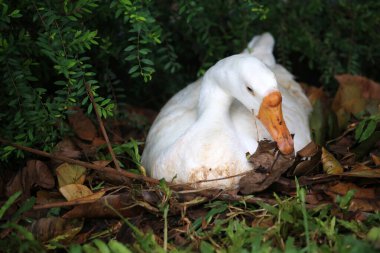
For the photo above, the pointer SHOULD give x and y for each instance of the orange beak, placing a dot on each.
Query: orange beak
(270, 114)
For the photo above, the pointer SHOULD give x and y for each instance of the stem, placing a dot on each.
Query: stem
(166, 210)
(102, 128)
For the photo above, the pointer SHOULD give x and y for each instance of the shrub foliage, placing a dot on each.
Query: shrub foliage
(50, 50)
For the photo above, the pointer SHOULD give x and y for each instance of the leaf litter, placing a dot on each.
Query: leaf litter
(341, 178)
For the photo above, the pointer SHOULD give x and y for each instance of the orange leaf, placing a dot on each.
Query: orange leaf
(376, 159)
(354, 95)
(75, 191)
(82, 125)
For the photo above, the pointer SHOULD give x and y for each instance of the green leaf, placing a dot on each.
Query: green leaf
(89, 109)
(106, 101)
(371, 127)
(117, 247)
(133, 69)
(23, 231)
(206, 247)
(15, 14)
(8, 203)
(144, 51)
(26, 206)
(129, 48)
(103, 248)
(359, 129)
(147, 61)
(88, 248)
(131, 57)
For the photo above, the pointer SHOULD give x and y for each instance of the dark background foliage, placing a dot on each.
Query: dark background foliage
(141, 52)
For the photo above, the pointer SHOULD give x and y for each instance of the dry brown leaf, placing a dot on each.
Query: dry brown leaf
(365, 199)
(331, 166)
(369, 89)
(354, 95)
(46, 229)
(75, 191)
(88, 150)
(82, 125)
(103, 163)
(366, 173)
(123, 203)
(360, 167)
(268, 164)
(148, 114)
(342, 145)
(309, 150)
(98, 141)
(43, 197)
(65, 148)
(375, 159)
(36, 173)
(94, 196)
(307, 166)
(306, 160)
(349, 99)
(70, 174)
(314, 94)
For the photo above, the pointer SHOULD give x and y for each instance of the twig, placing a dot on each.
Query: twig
(64, 203)
(92, 166)
(101, 125)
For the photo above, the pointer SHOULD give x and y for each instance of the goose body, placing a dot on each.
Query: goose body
(205, 130)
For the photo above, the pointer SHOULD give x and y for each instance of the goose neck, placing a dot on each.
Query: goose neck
(214, 101)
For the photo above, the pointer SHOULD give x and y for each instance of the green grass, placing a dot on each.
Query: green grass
(288, 226)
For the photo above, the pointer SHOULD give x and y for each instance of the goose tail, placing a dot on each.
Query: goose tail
(261, 46)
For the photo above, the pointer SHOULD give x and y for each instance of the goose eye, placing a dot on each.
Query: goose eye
(250, 90)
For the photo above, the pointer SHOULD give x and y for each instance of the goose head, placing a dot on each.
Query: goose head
(248, 80)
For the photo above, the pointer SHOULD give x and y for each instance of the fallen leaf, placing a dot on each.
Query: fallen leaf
(365, 199)
(65, 148)
(75, 191)
(44, 197)
(331, 166)
(70, 174)
(369, 89)
(103, 163)
(314, 94)
(306, 160)
(268, 165)
(148, 114)
(309, 150)
(123, 203)
(93, 197)
(354, 95)
(36, 173)
(97, 142)
(342, 145)
(55, 228)
(375, 159)
(88, 150)
(349, 159)
(366, 173)
(82, 125)
(360, 167)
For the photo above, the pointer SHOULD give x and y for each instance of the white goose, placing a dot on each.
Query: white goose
(205, 130)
